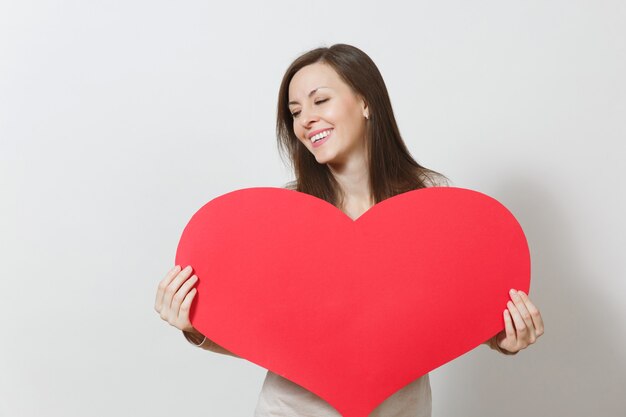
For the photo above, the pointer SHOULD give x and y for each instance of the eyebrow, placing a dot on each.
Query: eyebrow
(310, 94)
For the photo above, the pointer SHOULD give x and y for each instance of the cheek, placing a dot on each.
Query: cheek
(333, 113)
(341, 112)
(299, 132)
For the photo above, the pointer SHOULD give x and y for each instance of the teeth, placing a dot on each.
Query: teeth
(321, 135)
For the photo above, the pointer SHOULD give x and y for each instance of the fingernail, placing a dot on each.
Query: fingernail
(513, 292)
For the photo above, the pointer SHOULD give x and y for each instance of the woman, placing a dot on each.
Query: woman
(336, 125)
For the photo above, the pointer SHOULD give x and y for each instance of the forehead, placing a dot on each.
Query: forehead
(311, 77)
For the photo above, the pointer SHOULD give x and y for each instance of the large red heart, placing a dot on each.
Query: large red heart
(353, 310)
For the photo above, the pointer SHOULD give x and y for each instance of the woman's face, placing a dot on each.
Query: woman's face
(319, 100)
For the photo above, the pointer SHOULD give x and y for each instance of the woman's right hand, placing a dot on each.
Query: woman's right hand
(174, 297)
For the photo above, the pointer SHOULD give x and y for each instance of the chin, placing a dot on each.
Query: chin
(321, 162)
(324, 159)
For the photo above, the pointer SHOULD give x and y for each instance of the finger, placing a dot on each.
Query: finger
(523, 311)
(182, 293)
(173, 287)
(511, 339)
(186, 305)
(534, 313)
(158, 302)
(520, 326)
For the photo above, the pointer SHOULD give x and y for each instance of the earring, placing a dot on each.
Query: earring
(367, 117)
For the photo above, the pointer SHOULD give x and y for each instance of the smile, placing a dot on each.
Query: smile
(320, 138)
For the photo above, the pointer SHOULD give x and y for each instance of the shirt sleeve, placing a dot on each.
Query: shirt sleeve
(204, 343)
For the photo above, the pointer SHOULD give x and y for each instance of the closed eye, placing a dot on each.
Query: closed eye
(296, 113)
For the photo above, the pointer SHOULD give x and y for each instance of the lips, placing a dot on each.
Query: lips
(322, 141)
(316, 132)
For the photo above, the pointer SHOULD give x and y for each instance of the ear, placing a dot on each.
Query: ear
(364, 108)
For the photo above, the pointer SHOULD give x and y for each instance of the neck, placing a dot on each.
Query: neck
(353, 178)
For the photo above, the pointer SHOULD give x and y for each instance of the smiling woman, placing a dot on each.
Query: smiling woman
(336, 126)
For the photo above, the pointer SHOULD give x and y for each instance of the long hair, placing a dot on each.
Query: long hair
(392, 169)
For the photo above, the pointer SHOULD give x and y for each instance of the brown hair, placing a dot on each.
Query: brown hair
(392, 169)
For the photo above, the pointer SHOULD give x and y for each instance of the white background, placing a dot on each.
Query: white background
(119, 120)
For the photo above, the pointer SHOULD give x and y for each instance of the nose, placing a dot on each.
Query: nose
(307, 117)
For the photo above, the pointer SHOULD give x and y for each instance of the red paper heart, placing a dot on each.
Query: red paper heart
(353, 310)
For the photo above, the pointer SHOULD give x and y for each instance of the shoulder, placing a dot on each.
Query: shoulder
(434, 179)
(291, 185)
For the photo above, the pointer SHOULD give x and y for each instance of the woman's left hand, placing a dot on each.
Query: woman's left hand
(522, 313)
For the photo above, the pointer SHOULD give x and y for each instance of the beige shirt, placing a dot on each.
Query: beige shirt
(282, 398)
